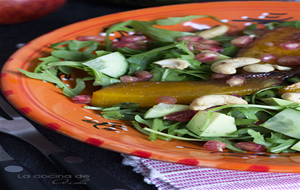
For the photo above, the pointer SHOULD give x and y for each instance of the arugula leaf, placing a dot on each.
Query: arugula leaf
(166, 74)
(245, 122)
(139, 119)
(245, 115)
(142, 61)
(157, 34)
(71, 50)
(250, 27)
(156, 44)
(70, 55)
(183, 45)
(276, 143)
(140, 129)
(282, 146)
(174, 126)
(45, 60)
(244, 131)
(277, 138)
(194, 64)
(74, 64)
(127, 105)
(273, 25)
(225, 41)
(112, 114)
(117, 27)
(77, 45)
(259, 139)
(50, 76)
(265, 93)
(229, 144)
(60, 45)
(124, 111)
(177, 20)
(128, 51)
(196, 74)
(250, 30)
(230, 51)
(65, 69)
(174, 136)
(157, 125)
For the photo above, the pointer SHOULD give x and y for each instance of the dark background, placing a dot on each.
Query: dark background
(11, 35)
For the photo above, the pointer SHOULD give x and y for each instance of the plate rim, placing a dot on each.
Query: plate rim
(13, 102)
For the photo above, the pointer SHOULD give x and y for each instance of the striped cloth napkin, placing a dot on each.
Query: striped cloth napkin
(169, 176)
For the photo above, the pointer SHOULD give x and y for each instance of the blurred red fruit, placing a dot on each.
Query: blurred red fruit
(17, 11)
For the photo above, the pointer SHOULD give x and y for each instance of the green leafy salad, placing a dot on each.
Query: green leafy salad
(266, 123)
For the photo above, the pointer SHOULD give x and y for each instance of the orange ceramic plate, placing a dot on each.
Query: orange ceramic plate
(45, 104)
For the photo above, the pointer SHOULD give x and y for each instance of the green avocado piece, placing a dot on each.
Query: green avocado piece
(278, 102)
(296, 146)
(286, 122)
(162, 109)
(220, 125)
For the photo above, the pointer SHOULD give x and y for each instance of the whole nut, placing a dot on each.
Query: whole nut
(214, 32)
(259, 68)
(207, 101)
(173, 63)
(228, 66)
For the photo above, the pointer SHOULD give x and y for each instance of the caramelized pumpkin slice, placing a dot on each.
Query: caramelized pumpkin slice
(144, 93)
(269, 43)
(290, 88)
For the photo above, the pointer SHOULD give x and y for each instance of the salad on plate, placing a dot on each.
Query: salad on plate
(235, 90)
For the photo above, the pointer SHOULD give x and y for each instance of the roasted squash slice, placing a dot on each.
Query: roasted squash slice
(269, 43)
(144, 93)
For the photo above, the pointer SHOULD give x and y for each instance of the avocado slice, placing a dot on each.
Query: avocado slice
(163, 109)
(278, 102)
(286, 122)
(220, 125)
(296, 146)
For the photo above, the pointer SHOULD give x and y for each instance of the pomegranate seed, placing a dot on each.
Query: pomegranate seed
(210, 42)
(241, 41)
(207, 56)
(133, 38)
(289, 60)
(214, 145)
(166, 100)
(82, 99)
(219, 76)
(129, 79)
(290, 45)
(250, 146)
(192, 45)
(267, 58)
(143, 75)
(94, 38)
(123, 44)
(190, 38)
(202, 47)
(182, 116)
(236, 81)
